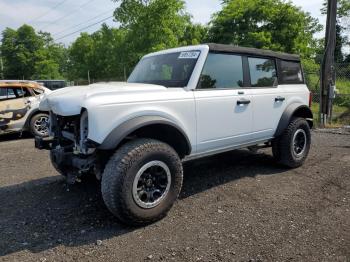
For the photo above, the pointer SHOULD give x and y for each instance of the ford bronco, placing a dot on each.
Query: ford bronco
(177, 105)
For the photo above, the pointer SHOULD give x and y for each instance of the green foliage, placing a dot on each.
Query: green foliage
(267, 24)
(153, 25)
(29, 55)
(101, 53)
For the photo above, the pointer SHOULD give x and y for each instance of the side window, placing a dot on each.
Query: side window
(11, 93)
(291, 72)
(222, 71)
(262, 72)
(3, 94)
(38, 91)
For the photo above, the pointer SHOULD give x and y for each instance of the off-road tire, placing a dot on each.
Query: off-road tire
(57, 168)
(32, 121)
(120, 173)
(283, 146)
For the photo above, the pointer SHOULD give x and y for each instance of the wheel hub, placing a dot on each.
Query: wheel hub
(41, 125)
(151, 184)
(299, 142)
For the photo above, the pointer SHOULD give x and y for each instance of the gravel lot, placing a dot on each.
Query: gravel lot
(236, 206)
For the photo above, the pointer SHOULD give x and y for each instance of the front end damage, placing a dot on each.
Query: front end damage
(71, 152)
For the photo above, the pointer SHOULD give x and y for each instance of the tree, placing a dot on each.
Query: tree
(30, 55)
(101, 53)
(267, 24)
(154, 25)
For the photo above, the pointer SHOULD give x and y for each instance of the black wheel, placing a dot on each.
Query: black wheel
(56, 166)
(141, 181)
(39, 125)
(292, 147)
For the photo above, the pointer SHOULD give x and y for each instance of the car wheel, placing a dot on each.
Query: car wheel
(59, 169)
(141, 181)
(39, 125)
(292, 147)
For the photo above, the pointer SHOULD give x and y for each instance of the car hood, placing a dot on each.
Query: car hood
(69, 101)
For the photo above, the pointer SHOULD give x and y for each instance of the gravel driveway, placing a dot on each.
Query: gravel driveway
(236, 206)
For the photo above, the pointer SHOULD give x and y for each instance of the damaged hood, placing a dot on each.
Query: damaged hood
(69, 101)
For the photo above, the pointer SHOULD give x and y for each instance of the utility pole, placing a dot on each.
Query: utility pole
(89, 76)
(327, 70)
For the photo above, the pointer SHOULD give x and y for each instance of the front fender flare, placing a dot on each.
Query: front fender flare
(129, 126)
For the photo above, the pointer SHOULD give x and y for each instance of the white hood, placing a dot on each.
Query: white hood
(69, 101)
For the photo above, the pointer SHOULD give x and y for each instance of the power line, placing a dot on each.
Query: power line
(46, 13)
(81, 29)
(83, 23)
(69, 14)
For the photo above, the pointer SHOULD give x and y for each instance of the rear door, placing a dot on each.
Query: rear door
(268, 100)
(223, 105)
(273, 89)
(13, 108)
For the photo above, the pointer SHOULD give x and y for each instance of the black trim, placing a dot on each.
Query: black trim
(288, 114)
(252, 51)
(128, 127)
(246, 72)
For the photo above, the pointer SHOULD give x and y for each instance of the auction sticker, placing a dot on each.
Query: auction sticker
(189, 55)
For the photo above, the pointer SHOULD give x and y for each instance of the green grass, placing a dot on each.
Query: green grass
(337, 111)
(343, 86)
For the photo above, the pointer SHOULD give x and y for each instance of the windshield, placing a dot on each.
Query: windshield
(170, 70)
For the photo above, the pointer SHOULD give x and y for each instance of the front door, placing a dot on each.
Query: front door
(223, 106)
(13, 109)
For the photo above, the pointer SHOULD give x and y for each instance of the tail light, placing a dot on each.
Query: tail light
(310, 99)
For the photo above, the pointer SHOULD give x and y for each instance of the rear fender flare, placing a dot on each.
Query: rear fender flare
(296, 109)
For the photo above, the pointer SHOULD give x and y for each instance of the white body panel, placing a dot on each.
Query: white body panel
(220, 121)
(211, 119)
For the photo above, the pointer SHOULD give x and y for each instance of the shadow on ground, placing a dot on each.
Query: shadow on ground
(15, 136)
(39, 215)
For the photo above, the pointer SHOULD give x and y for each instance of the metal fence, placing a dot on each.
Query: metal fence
(341, 103)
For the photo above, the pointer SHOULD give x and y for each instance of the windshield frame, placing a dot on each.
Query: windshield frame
(193, 80)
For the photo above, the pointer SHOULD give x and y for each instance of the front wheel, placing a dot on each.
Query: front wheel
(39, 125)
(141, 181)
(292, 147)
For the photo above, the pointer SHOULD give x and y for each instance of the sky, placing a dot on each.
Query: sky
(64, 17)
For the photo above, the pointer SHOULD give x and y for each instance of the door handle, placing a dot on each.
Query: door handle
(279, 99)
(243, 102)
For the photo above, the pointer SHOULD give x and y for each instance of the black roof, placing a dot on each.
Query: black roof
(252, 51)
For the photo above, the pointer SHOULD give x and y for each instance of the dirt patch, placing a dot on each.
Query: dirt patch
(236, 206)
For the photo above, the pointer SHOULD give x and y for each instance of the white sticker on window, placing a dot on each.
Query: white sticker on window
(189, 55)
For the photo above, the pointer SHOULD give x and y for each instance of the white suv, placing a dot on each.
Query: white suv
(178, 105)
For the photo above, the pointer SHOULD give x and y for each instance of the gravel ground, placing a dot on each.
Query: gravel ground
(236, 206)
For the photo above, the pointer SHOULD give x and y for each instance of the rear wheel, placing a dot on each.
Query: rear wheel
(39, 125)
(141, 181)
(292, 147)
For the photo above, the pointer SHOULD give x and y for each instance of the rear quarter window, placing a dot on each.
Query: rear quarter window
(290, 72)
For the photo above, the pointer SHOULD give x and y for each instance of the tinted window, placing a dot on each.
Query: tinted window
(262, 72)
(291, 73)
(3, 93)
(170, 70)
(222, 71)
